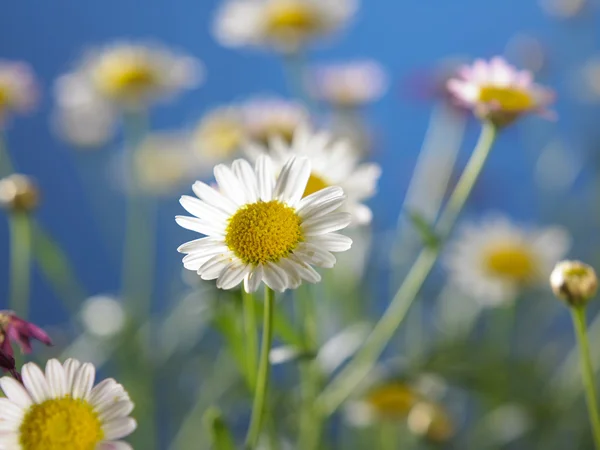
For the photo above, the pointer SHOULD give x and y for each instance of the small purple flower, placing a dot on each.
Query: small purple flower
(13, 329)
(7, 363)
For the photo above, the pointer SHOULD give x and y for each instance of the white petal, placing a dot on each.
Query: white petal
(321, 209)
(119, 428)
(200, 226)
(8, 427)
(199, 245)
(275, 277)
(122, 408)
(9, 411)
(233, 275)
(71, 367)
(115, 445)
(212, 268)
(294, 277)
(190, 260)
(243, 170)
(291, 183)
(326, 224)
(332, 242)
(229, 184)
(314, 255)
(319, 197)
(35, 382)
(15, 392)
(266, 178)
(305, 270)
(213, 197)
(83, 381)
(102, 390)
(253, 279)
(202, 209)
(57, 379)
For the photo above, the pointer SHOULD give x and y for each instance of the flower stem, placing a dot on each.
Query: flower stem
(20, 262)
(587, 371)
(364, 360)
(251, 338)
(262, 379)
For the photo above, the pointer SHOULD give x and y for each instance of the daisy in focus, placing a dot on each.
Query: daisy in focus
(494, 260)
(498, 92)
(351, 84)
(62, 409)
(285, 25)
(259, 228)
(18, 89)
(334, 163)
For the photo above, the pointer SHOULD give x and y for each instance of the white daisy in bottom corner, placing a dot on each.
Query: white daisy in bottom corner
(259, 228)
(494, 260)
(62, 409)
(334, 162)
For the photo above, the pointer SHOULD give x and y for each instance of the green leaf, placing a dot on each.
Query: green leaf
(428, 235)
(213, 420)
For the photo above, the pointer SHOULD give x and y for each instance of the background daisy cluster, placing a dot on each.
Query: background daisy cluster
(491, 356)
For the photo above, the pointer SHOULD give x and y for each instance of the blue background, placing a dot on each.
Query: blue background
(405, 36)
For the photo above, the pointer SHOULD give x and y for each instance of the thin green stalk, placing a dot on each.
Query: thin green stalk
(587, 371)
(262, 380)
(295, 68)
(364, 360)
(250, 329)
(6, 166)
(20, 262)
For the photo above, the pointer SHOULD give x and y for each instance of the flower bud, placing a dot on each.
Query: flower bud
(574, 282)
(18, 193)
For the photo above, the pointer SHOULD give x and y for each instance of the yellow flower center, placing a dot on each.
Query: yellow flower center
(126, 78)
(392, 400)
(507, 98)
(220, 137)
(292, 16)
(61, 424)
(510, 261)
(5, 98)
(263, 134)
(264, 232)
(315, 184)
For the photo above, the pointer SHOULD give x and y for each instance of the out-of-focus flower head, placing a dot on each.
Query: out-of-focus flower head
(18, 89)
(219, 135)
(13, 330)
(494, 260)
(333, 162)
(350, 84)
(564, 9)
(18, 193)
(498, 92)
(61, 408)
(574, 282)
(103, 316)
(431, 421)
(284, 25)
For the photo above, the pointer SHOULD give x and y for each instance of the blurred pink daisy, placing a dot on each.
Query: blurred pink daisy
(498, 92)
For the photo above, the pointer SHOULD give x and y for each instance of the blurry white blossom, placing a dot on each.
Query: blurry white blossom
(284, 25)
(350, 84)
(564, 9)
(103, 316)
(18, 89)
(493, 260)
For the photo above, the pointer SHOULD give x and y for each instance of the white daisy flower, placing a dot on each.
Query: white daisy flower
(62, 409)
(18, 88)
(494, 260)
(350, 84)
(333, 163)
(283, 24)
(259, 228)
(499, 92)
(219, 135)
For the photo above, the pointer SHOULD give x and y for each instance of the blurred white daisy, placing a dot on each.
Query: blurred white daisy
(219, 135)
(333, 163)
(494, 260)
(259, 228)
(350, 84)
(63, 409)
(103, 316)
(18, 88)
(283, 24)
(499, 92)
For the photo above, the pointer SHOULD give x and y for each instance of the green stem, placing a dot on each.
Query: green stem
(364, 360)
(587, 371)
(20, 262)
(262, 380)
(251, 338)
(6, 166)
(295, 68)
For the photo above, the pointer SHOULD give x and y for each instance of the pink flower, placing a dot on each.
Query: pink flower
(7, 363)
(496, 91)
(13, 329)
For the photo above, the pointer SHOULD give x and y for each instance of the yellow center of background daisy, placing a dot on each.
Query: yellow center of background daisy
(506, 98)
(263, 134)
(392, 401)
(122, 78)
(510, 261)
(263, 232)
(220, 137)
(5, 98)
(61, 424)
(291, 16)
(315, 184)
